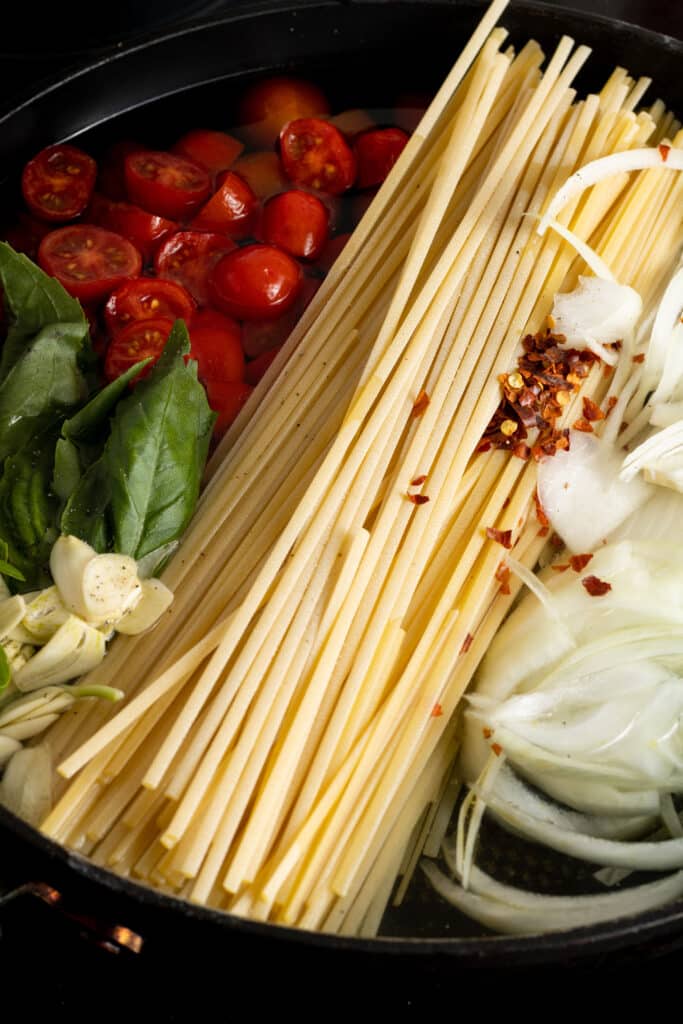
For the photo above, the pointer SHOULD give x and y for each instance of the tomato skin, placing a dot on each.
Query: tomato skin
(257, 282)
(166, 184)
(377, 150)
(296, 221)
(226, 397)
(58, 182)
(267, 105)
(188, 257)
(216, 344)
(144, 230)
(262, 172)
(232, 208)
(88, 260)
(315, 153)
(137, 341)
(256, 368)
(212, 150)
(146, 298)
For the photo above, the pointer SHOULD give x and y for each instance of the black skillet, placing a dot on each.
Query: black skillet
(363, 53)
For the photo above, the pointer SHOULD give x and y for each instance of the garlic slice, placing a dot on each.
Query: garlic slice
(74, 649)
(156, 598)
(110, 587)
(12, 611)
(44, 615)
(26, 787)
(68, 559)
(8, 748)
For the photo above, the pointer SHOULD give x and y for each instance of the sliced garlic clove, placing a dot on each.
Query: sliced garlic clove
(26, 787)
(29, 727)
(8, 747)
(12, 611)
(44, 615)
(52, 699)
(68, 559)
(155, 600)
(110, 587)
(74, 649)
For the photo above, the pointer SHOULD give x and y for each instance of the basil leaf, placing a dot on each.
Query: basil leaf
(89, 421)
(67, 469)
(156, 452)
(28, 507)
(86, 513)
(5, 671)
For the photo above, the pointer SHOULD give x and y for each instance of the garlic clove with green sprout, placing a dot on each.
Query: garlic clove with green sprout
(74, 649)
(45, 614)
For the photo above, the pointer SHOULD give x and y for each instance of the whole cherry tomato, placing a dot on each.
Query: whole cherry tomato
(188, 257)
(226, 397)
(146, 298)
(216, 344)
(296, 221)
(165, 184)
(376, 152)
(263, 173)
(214, 151)
(58, 182)
(232, 208)
(257, 282)
(139, 340)
(87, 260)
(144, 230)
(315, 153)
(267, 105)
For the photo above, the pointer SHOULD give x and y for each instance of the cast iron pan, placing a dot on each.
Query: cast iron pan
(363, 53)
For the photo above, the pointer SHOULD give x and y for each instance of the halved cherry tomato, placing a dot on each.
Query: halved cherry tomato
(144, 230)
(87, 260)
(376, 152)
(216, 344)
(256, 368)
(268, 105)
(226, 397)
(166, 184)
(58, 182)
(232, 208)
(257, 282)
(111, 179)
(296, 221)
(214, 151)
(260, 336)
(315, 153)
(262, 172)
(144, 298)
(331, 252)
(188, 257)
(139, 340)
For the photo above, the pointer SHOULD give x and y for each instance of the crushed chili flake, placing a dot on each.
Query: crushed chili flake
(497, 749)
(611, 402)
(540, 511)
(664, 151)
(591, 410)
(595, 587)
(467, 643)
(488, 733)
(437, 711)
(503, 537)
(503, 577)
(556, 540)
(418, 481)
(506, 502)
(417, 499)
(560, 566)
(543, 532)
(639, 358)
(420, 404)
(579, 562)
(584, 426)
(521, 451)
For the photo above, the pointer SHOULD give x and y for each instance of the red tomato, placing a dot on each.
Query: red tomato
(88, 261)
(188, 257)
(315, 153)
(144, 298)
(26, 233)
(331, 252)
(135, 342)
(214, 151)
(270, 104)
(231, 209)
(166, 184)
(257, 282)
(256, 368)
(216, 344)
(144, 230)
(297, 222)
(263, 173)
(259, 336)
(376, 153)
(58, 182)
(226, 397)
(111, 179)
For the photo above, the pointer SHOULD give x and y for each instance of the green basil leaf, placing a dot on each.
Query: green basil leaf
(67, 469)
(156, 452)
(89, 421)
(86, 514)
(5, 671)
(28, 508)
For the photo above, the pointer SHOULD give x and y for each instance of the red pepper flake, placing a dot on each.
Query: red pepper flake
(591, 411)
(640, 358)
(579, 562)
(497, 749)
(437, 711)
(540, 511)
(488, 733)
(503, 537)
(584, 426)
(506, 503)
(522, 451)
(467, 643)
(556, 540)
(611, 402)
(503, 577)
(543, 532)
(595, 586)
(664, 151)
(420, 405)
(560, 567)
(417, 499)
(418, 481)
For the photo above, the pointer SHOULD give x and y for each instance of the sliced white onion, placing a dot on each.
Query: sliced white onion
(597, 314)
(589, 255)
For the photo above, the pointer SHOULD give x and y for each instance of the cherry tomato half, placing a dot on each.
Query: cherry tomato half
(257, 282)
(87, 260)
(139, 340)
(315, 153)
(188, 257)
(262, 172)
(58, 182)
(296, 221)
(216, 344)
(165, 184)
(232, 208)
(270, 104)
(214, 151)
(144, 230)
(226, 397)
(146, 298)
(376, 152)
